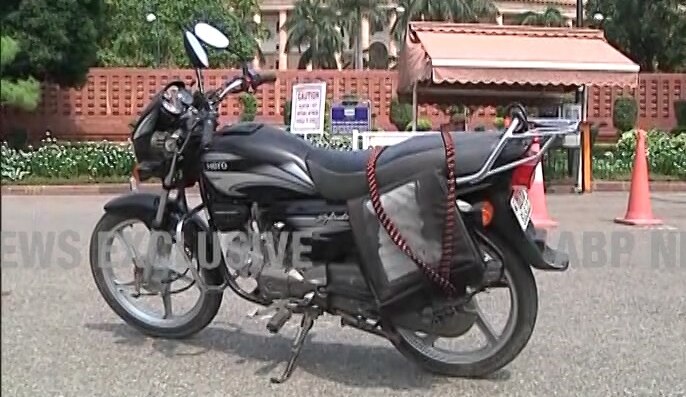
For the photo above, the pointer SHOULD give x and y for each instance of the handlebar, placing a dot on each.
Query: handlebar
(248, 79)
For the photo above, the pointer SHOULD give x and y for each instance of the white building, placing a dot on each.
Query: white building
(275, 12)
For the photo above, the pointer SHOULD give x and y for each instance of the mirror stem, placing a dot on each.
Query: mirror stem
(201, 86)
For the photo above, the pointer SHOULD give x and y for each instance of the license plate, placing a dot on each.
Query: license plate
(521, 207)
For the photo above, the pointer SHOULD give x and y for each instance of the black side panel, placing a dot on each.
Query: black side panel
(323, 226)
(325, 229)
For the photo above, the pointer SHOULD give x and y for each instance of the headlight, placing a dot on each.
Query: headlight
(173, 101)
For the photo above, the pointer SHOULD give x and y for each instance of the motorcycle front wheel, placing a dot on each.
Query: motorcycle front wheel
(127, 301)
(501, 349)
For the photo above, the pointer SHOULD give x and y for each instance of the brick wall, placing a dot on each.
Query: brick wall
(112, 98)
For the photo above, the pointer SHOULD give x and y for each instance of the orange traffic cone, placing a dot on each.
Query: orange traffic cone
(639, 211)
(539, 208)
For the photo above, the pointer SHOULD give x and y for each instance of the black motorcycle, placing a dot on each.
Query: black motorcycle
(399, 241)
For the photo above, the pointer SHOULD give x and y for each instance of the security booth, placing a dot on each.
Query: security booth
(492, 65)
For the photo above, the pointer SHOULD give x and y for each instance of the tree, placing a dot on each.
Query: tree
(58, 38)
(131, 40)
(551, 17)
(351, 14)
(315, 25)
(244, 11)
(650, 32)
(459, 11)
(21, 93)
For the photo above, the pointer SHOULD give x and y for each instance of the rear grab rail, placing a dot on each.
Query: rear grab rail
(548, 130)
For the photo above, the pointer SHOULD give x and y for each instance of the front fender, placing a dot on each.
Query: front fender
(140, 205)
(144, 206)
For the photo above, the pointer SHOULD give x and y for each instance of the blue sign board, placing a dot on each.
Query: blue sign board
(346, 117)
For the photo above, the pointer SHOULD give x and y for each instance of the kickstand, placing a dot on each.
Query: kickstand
(305, 327)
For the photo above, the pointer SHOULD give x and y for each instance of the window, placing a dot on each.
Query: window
(376, 27)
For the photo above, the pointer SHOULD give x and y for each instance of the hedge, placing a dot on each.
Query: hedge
(666, 156)
(103, 160)
(59, 160)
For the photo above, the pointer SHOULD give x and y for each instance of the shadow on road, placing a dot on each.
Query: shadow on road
(351, 365)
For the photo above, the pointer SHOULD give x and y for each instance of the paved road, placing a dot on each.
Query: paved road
(602, 331)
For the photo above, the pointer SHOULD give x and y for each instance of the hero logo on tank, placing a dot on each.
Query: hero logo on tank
(307, 108)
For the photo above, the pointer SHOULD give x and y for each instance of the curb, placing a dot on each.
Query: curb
(121, 188)
(625, 186)
(80, 190)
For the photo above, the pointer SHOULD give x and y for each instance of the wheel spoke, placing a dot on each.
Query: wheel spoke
(484, 325)
(429, 339)
(166, 300)
(135, 255)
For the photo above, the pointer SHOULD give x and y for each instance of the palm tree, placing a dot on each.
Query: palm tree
(244, 11)
(459, 11)
(551, 17)
(351, 13)
(313, 24)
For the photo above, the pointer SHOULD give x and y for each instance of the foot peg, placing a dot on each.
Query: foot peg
(278, 320)
(305, 327)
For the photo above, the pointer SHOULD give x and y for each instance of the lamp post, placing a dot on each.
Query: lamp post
(579, 13)
(579, 24)
(151, 17)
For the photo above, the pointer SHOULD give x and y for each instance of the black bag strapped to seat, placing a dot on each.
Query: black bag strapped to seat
(434, 237)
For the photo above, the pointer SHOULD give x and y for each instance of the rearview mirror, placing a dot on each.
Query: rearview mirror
(211, 35)
(195, 51)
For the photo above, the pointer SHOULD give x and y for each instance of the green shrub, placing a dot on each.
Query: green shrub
(401, 114)
(327, 117)
(499, 123)
(680, 112)
(338, 142)
(286, 111)
(666, 156)
(423, 124)
(17, 138)
(249, 103)
(53, 160)
(625, 113)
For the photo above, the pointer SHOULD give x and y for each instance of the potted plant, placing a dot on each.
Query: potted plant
(458, 119)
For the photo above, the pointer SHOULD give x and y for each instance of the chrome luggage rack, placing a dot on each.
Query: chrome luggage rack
(546, 129)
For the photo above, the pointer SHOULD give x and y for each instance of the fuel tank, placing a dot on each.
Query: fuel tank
(252, 163)
(256, 161)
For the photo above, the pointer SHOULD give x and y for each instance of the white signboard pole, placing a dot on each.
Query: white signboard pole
(308, 103)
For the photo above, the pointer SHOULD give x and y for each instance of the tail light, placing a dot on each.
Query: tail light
(523, 175)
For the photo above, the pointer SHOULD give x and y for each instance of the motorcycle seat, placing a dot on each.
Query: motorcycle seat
(341, 175)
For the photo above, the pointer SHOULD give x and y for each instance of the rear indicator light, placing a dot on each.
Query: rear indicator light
(487, 213)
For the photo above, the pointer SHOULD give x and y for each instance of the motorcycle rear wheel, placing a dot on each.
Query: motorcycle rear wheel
(198, 318)
(523, 289)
